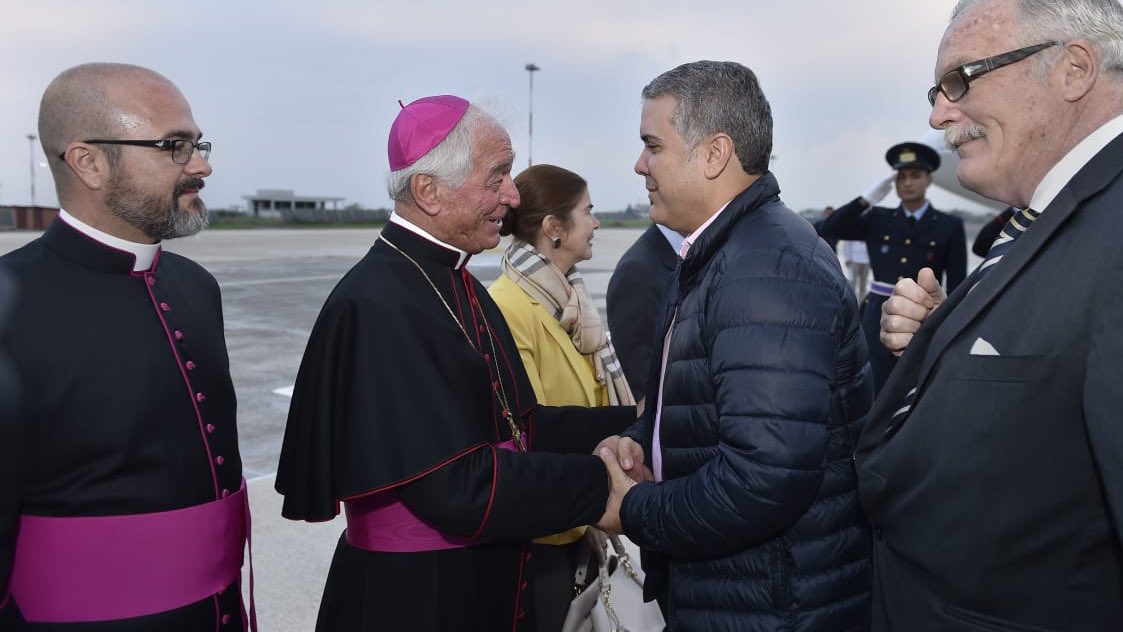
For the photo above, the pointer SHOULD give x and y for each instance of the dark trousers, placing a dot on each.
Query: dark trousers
(550, 570)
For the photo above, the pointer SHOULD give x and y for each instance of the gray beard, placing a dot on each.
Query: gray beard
(157, 217)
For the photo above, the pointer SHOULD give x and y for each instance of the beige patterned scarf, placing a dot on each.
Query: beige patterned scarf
(566, 297)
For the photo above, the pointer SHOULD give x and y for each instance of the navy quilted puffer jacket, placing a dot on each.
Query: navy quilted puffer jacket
(756, 525)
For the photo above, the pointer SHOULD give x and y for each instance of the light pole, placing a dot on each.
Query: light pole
(530, 70)
(31, 138)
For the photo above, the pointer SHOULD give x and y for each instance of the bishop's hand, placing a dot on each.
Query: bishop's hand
(618, 486)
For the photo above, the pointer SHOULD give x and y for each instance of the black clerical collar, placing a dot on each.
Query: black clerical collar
(429, 246)
(73, 244)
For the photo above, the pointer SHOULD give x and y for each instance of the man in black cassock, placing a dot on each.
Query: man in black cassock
(412, 407)
(122, 506)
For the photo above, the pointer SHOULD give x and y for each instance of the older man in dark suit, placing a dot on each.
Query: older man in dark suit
(992, 466)
(635, 292)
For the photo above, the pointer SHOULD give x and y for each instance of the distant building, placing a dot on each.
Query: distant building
(629, 213)
(26, 217)
(271, 202)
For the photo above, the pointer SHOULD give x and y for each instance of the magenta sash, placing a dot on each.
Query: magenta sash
(102, 568)
(381, 522)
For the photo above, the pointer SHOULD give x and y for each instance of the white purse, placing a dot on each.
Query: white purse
(613, 601)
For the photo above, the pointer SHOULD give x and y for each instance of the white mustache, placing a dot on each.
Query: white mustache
(956, 135)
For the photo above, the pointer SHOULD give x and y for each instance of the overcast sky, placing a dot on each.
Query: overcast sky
(300, 95)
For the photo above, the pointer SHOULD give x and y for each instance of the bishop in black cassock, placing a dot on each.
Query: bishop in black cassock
(401, 398)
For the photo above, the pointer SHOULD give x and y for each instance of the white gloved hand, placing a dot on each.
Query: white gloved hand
(878, 190)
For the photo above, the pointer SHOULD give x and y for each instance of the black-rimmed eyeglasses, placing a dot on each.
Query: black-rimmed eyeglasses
(181, 149)
(955, 83)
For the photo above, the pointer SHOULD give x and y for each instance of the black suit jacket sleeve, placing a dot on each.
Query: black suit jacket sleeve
(633, 300)
(576, 429)
(846, 222)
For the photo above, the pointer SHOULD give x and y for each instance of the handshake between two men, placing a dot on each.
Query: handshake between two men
(623, 458)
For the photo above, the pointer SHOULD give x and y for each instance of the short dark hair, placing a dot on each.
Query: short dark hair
(719, 96)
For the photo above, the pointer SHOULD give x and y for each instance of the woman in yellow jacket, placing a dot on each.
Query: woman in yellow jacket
(561, 339)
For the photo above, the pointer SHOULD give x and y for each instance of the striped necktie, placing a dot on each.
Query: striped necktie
(1014, 228)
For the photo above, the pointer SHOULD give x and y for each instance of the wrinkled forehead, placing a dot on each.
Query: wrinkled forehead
(493, 153)
(492, 141)
(983, 30)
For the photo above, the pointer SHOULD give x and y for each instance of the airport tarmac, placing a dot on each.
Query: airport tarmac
(273, 283)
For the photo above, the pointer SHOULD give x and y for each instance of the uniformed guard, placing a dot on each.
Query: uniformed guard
(900, 240)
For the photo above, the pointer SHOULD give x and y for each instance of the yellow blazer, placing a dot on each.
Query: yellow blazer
(559, 374)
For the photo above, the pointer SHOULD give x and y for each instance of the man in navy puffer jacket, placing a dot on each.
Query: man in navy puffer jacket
(752, 520)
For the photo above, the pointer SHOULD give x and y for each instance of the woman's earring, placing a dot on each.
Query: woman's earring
(556, 242)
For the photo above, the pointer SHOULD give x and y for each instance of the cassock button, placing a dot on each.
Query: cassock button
(225, 619)
(190, 365)
(487, 357)
(219, 460)
(178, 334)
(225, 493)
(210, 428)
(482, 329)
(904, 259)
(200, 396)
(151, 280)
(165, 307)
(524, 585)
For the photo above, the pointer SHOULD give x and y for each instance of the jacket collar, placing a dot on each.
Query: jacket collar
(764, 190)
